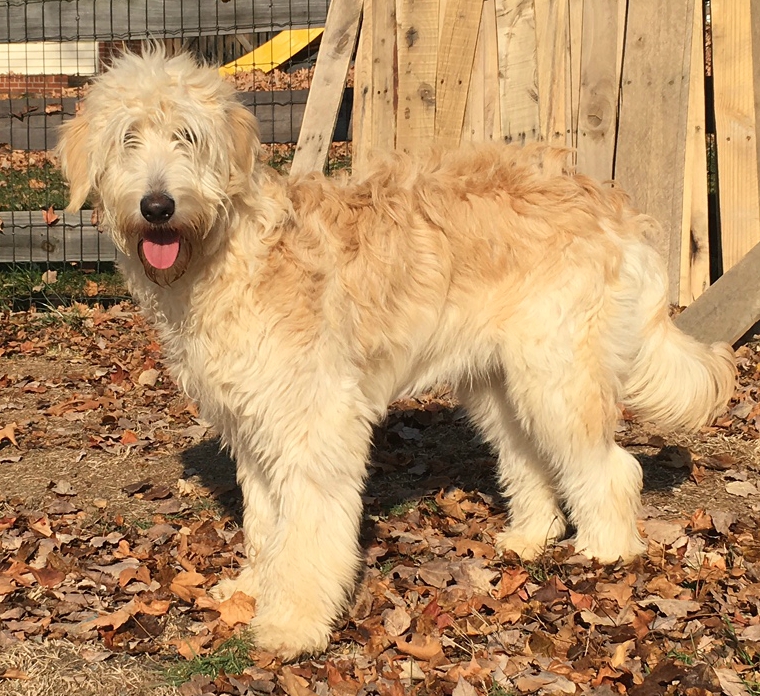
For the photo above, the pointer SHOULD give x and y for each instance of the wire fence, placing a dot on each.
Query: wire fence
(51, 49)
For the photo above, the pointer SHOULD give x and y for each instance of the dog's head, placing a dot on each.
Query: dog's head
(162, 147)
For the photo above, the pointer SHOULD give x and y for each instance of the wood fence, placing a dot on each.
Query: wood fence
(623, 83)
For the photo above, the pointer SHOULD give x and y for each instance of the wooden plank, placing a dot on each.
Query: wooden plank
(417, 43)
(755, 23)
(383, 94)
(735, 124)
(473, 126)
(600, 77)
(491, 105)
(362, 111)
(516, 26)
(27, 239)
(651, 147)
(551, 55)
(695, 244)
(729, 307)
(456, 53)
(573, 83)
(327, 86)
(105, 20)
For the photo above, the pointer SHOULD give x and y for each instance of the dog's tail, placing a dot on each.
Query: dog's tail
(674, 380)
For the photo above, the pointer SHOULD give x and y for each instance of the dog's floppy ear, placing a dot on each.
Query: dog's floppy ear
(74, 157)
(246, 146)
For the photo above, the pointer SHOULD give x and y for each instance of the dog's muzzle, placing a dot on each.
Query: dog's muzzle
(163, 250)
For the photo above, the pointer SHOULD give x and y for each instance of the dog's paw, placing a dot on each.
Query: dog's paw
(288, 638)
(244, 583)
(607, 554)
(525, 547)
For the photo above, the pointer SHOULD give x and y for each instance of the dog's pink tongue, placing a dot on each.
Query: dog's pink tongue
(161, 248)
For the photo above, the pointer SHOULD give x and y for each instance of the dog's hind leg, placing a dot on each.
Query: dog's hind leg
(565, 399)
(535, 516)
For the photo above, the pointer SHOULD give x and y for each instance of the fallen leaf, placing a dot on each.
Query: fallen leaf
(12, 673)
(396, 621)
(419, 646)
(731, 682)
(50, 219)
(464, 688)
(148, 378)
(743, 489)
(671, 607)
(238, 609)
(191, 647)
(293, 685)
(9, 433)
(663, 531)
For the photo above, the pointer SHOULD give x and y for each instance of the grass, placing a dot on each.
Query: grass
(34, 284)
(34, 188)
(498, 690)
(231, 657)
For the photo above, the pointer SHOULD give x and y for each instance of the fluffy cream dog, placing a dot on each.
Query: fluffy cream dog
(294, 310)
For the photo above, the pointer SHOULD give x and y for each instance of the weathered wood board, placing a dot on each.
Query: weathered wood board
(729, 307)
(417, 47)
(735, 129)
(26, 238)
(650, 160)
(327, 87)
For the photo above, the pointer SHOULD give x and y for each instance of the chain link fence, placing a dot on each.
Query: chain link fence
(51, 49)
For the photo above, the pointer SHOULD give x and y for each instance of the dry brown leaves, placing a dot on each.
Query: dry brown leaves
(437, 610)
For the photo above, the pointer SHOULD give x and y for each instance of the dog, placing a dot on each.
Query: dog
(294, 310)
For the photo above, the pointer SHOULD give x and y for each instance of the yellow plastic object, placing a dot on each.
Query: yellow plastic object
(274, 52)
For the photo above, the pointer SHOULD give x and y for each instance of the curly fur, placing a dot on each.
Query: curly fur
(306, 304)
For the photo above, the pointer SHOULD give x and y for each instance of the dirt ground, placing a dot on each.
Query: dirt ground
(118, 512)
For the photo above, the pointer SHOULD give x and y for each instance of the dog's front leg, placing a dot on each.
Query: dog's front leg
(259, 518)
(308, 563)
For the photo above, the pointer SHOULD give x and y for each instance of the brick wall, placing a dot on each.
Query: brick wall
(107, 50)
(47, 85)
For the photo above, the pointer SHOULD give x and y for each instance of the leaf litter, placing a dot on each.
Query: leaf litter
(127, 574)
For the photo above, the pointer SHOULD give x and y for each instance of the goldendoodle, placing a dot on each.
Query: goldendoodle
(295, 309)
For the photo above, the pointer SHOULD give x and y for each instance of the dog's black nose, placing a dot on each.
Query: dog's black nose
(157, 208)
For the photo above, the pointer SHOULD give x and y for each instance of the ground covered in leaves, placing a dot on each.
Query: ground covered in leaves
(118, 514)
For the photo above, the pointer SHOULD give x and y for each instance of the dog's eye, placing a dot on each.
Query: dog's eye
(130, 139)
(186, 135)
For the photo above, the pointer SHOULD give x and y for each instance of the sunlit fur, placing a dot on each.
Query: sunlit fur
(310, 303)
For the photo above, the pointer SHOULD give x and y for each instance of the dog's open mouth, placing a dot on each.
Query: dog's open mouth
(164, 253)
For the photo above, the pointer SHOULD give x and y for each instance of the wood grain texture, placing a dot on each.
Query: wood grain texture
(729, 307)
(755, 23)
(650, 160)
(600, 77)
(361, 134)
(383, 93)
(573, 82)
(551, 68)
(27, 239)
(456, 53)
(417, 48)
(516, 27)
(482, 118)
(735, 123)
(327, 86)
(105, 20)
(695, 243)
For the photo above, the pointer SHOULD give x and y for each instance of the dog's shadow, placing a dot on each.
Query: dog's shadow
(415, 454)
